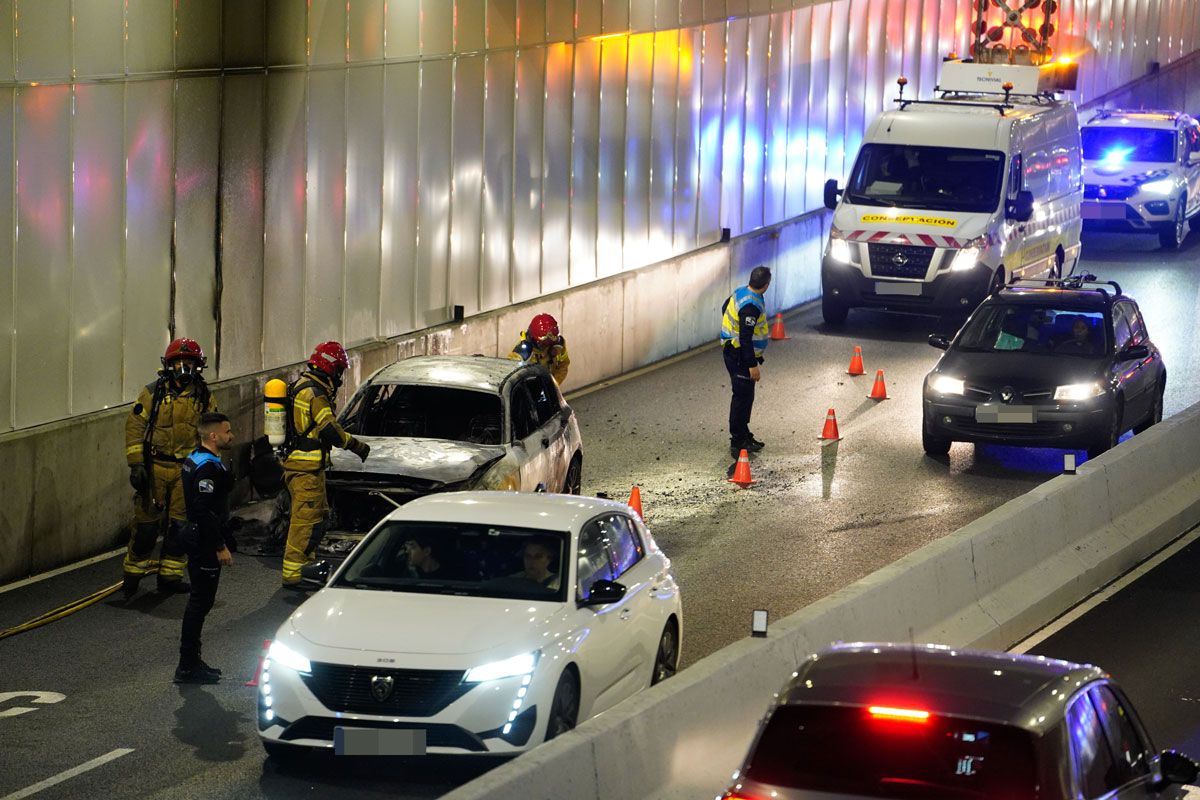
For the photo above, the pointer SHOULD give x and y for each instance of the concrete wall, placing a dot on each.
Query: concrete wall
(66, 494)
(989, 584)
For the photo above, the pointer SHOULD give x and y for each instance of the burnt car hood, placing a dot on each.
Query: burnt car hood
(438, 461)
(1021, 370)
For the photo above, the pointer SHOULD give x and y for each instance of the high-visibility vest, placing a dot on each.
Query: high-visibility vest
(731, 325)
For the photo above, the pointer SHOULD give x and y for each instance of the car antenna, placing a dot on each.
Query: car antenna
(913, 649)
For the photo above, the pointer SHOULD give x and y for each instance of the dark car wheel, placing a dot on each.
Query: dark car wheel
(1115, 428)
(1156, 410)
(574, 479)
(564, 709)
(287, 753)
(667, 659)
(834, 311)
(1172, 236)
(934, 445)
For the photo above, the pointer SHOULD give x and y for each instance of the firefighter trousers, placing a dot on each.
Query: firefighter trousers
(310, 510)
(163, 512)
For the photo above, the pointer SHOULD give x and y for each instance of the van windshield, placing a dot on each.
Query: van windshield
(927, 178)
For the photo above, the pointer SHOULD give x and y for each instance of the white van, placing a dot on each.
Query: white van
(950, 199)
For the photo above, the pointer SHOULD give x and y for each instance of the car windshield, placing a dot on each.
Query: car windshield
(432, 412)
(846, 750)
(1029, 328)
(928, 178)
(1114, 146)
(465, 559)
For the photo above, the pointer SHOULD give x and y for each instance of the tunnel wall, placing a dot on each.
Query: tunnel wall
(265, 174)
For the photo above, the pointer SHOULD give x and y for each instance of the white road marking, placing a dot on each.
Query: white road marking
(1103, 594)
(45, 698)
(44, 575)
(66, 775)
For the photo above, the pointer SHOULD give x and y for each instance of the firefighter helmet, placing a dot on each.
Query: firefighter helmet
(543, 329)
(185, 349)
(330, 358)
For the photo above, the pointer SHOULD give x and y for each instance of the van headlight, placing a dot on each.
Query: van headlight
(1164, 186)
(839, 248)
(280, 653)
(1078, 391)
(508, 668)
(944, 384)
(968, 256)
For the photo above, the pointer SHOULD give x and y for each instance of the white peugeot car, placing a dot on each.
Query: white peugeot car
(474, 622)
(1141, 173)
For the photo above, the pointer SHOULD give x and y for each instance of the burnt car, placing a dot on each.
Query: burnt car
(451, 423)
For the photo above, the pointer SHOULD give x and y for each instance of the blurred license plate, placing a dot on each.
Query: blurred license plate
(377, 742)
(995, 413)
(909, 289)
(1091, 209)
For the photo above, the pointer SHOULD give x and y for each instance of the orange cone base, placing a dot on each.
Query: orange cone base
(741, 472)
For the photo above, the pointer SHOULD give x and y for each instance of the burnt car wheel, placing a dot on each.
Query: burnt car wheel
(574, 479)
(1115, 428)
(934, 445)
(1156, 410)
(564, 709)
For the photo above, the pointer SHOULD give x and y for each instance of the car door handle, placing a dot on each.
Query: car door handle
(625, 612)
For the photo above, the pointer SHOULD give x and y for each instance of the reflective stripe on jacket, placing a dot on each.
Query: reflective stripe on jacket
(315, 424)
(731, 324)
(174, 434)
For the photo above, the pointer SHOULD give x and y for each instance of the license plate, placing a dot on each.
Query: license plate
(999, 414)
(378, 742)
(1090, 209)
(906, 289)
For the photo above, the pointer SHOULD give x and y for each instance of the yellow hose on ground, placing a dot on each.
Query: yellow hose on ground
(66, 610)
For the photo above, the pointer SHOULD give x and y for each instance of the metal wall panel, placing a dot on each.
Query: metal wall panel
(556, 169)
(283, 261)
(149, 36)
(924, 76)
(433, 203)
(560, 21)
(287, 29)
(42, 28)
(8, 68)
(197, 135)
(712, 115)
(734, 133)
(437, 27)
(637, 150)
(495, 287)
(99, 38)
(864, 72)
(691, 12)
(364, 165)
(585, 166)
(466, 192)
(714, 10)
(663, 107)
(244, 32)
(365, 29)
(501, 23)
(610, 191)
(470, 25)
(43, 254)
(641, 15)
(398, 229)
(755, 110)
(687, 140)
(835, 103)
(589, 16)
(776, 131)
(527, 173)
(531, 22)
(197, 34)
(402, 26)
(818, 97)
(242, 161)
(325, 242)
(615, 16)
(799, 85)
(666, 14)
(327, 31)
(7, 240)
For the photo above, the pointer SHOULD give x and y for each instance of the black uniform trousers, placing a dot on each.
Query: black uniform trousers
(204, 571)
(742, 402)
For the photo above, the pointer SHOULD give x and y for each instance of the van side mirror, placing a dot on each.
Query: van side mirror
(832, 192)
(939, 341)
(604, 592)
(1175, 767)
(1021, 208)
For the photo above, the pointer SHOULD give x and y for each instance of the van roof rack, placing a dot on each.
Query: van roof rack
(1081, 282)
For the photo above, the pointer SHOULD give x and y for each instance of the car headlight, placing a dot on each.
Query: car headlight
(508, 668)
(280, 653)
(944, 384)
(503, 477)
(1164, 186)
(839, 248)
(1078, 391)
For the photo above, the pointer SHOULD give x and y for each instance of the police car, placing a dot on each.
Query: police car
(1141, 173)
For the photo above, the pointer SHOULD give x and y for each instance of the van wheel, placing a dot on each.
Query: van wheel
(1172, 236)
(1056, 271)
(833, 310)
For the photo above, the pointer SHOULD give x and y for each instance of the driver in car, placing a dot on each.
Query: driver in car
(1080, 343)
(537, 557)
(421, 561)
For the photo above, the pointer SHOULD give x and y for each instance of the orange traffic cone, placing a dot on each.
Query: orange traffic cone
(635, 502)
(777, 329)
(262, 657)
(879, 390)
(830, 431)
(741, 471)
(856, 365)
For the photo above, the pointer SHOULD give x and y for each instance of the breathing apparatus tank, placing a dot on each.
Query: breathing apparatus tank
(275, 408)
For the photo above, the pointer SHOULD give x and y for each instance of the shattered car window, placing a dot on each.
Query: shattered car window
(429, 412)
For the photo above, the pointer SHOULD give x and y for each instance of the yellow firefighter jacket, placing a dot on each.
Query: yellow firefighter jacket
(315, 427)
(175, 420)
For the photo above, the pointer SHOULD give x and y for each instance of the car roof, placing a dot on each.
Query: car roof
(467, 372)
(559, 512)
(1024, 691)
(1095, 299)
(1118, 118)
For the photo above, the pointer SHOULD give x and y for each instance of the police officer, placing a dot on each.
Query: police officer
(744, 339)
(541, 343)
(206, 486)
(160, 431)
(313, 431)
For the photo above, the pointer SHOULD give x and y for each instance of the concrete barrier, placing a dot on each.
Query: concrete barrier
(989, 584)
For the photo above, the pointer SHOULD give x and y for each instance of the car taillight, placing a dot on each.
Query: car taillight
(899, 714)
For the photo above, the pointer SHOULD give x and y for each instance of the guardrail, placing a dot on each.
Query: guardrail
(989, 584)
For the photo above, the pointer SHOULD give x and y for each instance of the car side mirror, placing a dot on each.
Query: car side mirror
(832, 192)
(1177, 768)
(1193, 157)
(315, 575)
(939, 341)
(1136, 352)
(1020, 208)
(604, 592)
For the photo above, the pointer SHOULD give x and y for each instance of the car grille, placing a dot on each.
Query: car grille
(1091, 191)
(883, 260)
(1034, 430)
(978, 391)
(321, 728)
(415, 692)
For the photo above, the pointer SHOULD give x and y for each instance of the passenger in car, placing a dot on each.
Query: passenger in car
(538, 557)
(421, 561)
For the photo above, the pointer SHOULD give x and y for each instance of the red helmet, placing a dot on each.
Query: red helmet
(186, 349)
(543, 328)
(330, 358)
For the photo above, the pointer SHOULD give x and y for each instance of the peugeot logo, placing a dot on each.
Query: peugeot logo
(381, 687)
(1006, 394)
(899, 259)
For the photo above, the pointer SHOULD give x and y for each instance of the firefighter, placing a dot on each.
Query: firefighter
(312, 433)
(542, 344)
(160, 432)
(744, 340)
